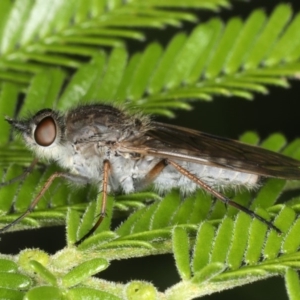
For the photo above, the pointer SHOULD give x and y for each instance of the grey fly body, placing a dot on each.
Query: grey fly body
(102, 145)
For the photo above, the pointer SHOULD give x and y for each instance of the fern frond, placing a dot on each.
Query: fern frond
(214, 247)
(36, 34)
(204, 67)
(213, 60)
(239, 59)
(233, 252)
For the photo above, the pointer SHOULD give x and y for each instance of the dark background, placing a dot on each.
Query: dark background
(230, 117)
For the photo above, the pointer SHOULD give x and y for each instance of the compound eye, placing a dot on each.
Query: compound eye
(45, 132)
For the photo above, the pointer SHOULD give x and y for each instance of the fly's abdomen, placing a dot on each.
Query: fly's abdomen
(217, 178)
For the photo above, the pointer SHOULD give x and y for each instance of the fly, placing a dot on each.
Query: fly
(105, 146)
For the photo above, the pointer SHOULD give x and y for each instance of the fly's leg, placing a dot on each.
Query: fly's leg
(154, 172)
(221, 197)
(22, 176)
(74, 178)
(106, 170)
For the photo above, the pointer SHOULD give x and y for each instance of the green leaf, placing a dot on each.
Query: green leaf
(204, 242)
(181, 252)
(8, 98)
(43, 272)
(292, 241)
(292, 284)
(84, 271)
(147, 63)
(255, 241)
(269, 36)
(239, 241)
(11, 294)
(222, 241)
(82, 82)
(8, 266)
(284, 221)
(14, 281)
(208, 272)
(44, 292)
(269, 193)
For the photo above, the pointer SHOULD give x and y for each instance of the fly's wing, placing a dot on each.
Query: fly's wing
(174, 142)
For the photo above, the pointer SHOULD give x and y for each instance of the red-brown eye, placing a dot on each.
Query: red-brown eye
(45, 132)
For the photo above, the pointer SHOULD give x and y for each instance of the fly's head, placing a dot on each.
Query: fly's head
(42, 133)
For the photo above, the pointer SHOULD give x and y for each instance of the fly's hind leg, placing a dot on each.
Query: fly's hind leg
(221, 197)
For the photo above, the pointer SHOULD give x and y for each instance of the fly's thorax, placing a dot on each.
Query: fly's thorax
(102, 124)
(87, 160)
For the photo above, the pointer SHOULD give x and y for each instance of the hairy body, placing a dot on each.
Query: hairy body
(118, 151)
(85, 140)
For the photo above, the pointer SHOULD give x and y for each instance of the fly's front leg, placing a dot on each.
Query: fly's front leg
(74, 178)
(22, 176)
(106, 171)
